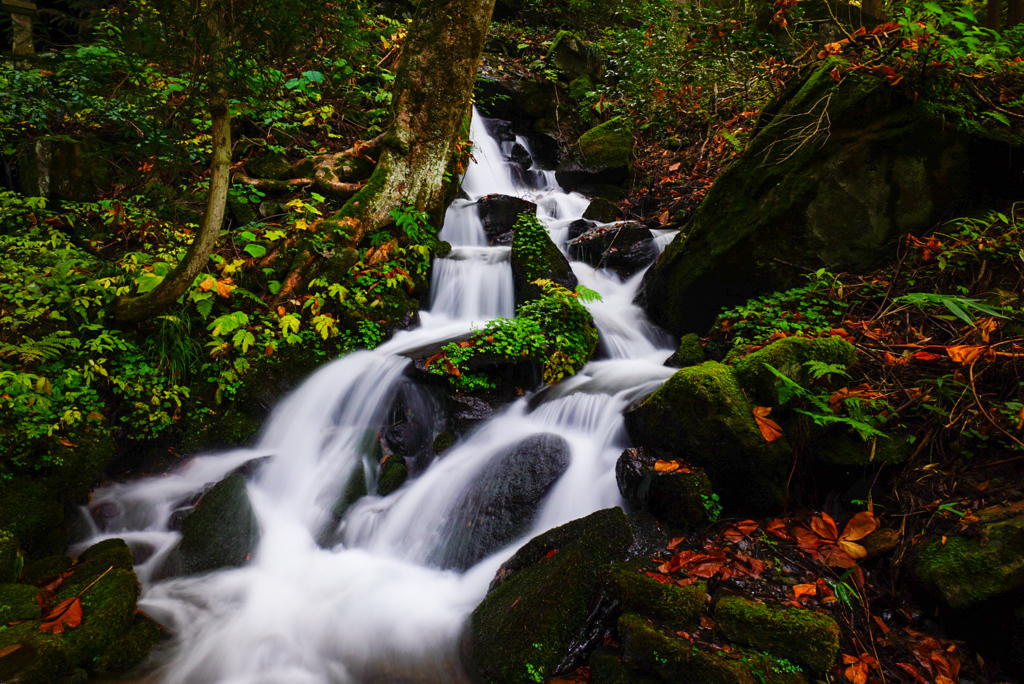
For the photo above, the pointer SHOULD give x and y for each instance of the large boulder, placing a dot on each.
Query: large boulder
(535, 256)
(498, 213)
(542, 603)
(679, 495)
(111, 634)
(834, 176)
(624, 247)
(221, 531)
(637, 592)
(701, 416)
(502, 502)
(576, 58)
(602, 156)
(790, 356)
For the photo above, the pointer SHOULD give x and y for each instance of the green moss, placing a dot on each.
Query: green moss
(689, 353)
(393, 474)
(442, 442)
(579, 87)
(602, 210)
(802, 636)
(678, 607)
(608, 668)
(674, 659)
(607, 146)
(137, 642)
(221, 531)
(271, 165)
(700, 415)
(523, 628)
(788, 356)
(968, 571)
(45, 568)
(18, 602)
(534, 257)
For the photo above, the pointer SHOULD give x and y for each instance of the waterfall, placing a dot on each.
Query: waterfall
(375, 604)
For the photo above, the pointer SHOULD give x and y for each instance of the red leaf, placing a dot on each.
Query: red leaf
(67, 614)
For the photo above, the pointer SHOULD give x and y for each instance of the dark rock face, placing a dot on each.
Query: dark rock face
(602, 211)
(623, 247)
(498, 213)
(581, 226)
(502, 502)
(221, 531)
(538, 618)
(681, 498)
(838, 195)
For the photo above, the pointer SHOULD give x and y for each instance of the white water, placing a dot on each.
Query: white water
(372, 607)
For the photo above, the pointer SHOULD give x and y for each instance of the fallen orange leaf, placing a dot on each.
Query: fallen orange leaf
(66, 614)
(770, 430)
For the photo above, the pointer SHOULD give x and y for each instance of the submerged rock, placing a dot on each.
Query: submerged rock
(502, 502)
(393, 474)
(221, 531)
(834, 176)
(536, 621)
(701, 416)
(682, 498)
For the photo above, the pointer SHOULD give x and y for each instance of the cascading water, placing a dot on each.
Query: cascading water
(376, 605)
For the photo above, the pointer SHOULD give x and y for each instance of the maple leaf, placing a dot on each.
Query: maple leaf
(66, 614)
(770, 430)
(858, 667)
(802, 591)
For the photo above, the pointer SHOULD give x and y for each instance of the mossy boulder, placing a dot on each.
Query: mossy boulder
(602, 156)
(272, 165)
(789, 356)
(35, 503)
(18, 602)
(580, 86)
(108, 590)
(542, 601)
(502, 501)
(674, 659)
(242, 211)
(576, 58)
(602, 210)
(689, 353)
(678, 607)
(968, 571)
(221, 531)
(834, 176)
(45, 568)
(442, 443)
(701, 416)
(682, 497)
(535, 256)
(801, 636)
(608, 668)
(393, 474)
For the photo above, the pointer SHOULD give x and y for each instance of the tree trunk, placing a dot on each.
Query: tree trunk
(993, 8)
(1014, 13)
(430, 105)
(874, 8)
(180, 279)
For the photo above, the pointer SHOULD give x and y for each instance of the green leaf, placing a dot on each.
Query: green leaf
(255, 250)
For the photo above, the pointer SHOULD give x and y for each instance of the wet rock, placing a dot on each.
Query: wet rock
(602, 211)
(521, 156)
(838, 196)
(442, 443)
(689, 353)
(623, 247)
(467, 410)
(581, 226)
(221, 531)
(393, 474)
(789, 356)
(678, 607)
(681, 498)
(18, 602)
(108, 590)
(537, 619)
(674, 659)
(801, 636)
(37, 572)
(405, 438)
(500, 504)
(500, 130)
(249, 469)
(602, 156)
(701, 416)
(535, 256)
(499, 213)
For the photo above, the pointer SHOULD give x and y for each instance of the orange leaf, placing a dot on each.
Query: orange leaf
(925, 356)
(224, 287)
(965, 354)
(825, 527)
(67, 443)
(860, 526)
(208, 284)
(281, 311)
(665, 466)
(67, 614)
(9, 650)
(674, 167)
(770, 430)
(802, 590)
(676, 541)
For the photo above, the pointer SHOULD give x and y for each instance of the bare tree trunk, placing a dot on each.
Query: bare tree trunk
(180, 279)
(433, 88)
(993, 8)
(1014, 13)
(874, 8)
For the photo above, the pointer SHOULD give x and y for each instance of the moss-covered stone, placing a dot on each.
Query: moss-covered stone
(579, 87)
(682, 498)
(18, 602)
(689, 353)
(608, 146)
(271, 165)
(442, 443)
(393, 474)
(11, 559)
(965, 572)
(542, 600)
(133, 646)
(535, 256)
(576, 58)
(45, 568)
(801, 636)
(602, 210)
(221, 531)
(678, 607)
(701, 416)
(840, 446)
(242, 211)
(833, 177)
(788, 356)
(674, 659)
(608, 668)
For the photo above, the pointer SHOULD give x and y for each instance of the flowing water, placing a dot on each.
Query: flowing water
(373, 604)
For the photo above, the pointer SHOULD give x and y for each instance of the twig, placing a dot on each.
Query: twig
(974, 391)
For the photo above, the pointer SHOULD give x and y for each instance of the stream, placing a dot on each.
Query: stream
(381, 596)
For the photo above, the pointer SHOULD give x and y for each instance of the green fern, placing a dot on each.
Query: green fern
(51, 347)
